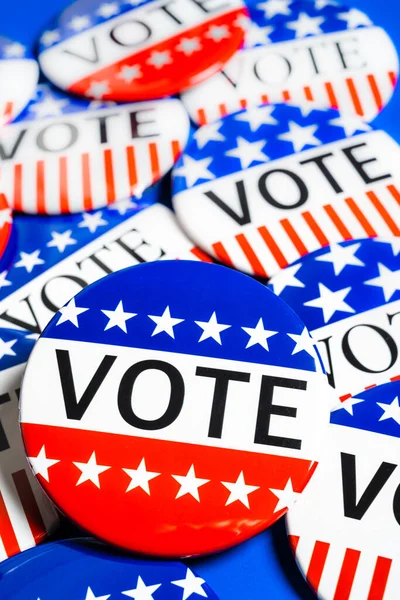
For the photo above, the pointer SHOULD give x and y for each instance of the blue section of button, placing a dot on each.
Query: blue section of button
(11, 49)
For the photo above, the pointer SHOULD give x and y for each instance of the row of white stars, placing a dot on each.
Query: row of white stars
(165, 323)
(247, 151)
(390, 411)
(14, 50)
(190, 585)
(239, 490)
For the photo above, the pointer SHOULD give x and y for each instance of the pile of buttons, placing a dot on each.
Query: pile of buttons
(199, 304)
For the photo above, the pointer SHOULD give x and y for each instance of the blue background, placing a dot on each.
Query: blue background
(263, 567)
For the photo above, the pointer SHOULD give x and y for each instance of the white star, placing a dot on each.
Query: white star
(330, 302)
(320, 4)
(390, 411)
(341, 256)
(29, 261)
(140, 477)
(218, 32)
(142, 591)
(209, 133)
(303, 342)
(354, 18)
(98, 89)
(248, 152)
(212, 329)
(3, 281)
(41, 464)
(79, 23)
(70, 313)
(61, 240)
(300, 136)
(48, 107)
(394, 242)
(189, 484)
(90, 471)
(257, 116)
(108, 9)
(193, 170)
(91, 596)
(347, 405)
(50, 37)
(5, 217)
(159, 59)
(117, 317)
(257, 35)
(350, 124)
(275, 7)
(388, 280)
(306, 25)
(6, 348)
(129, 73)
(239, 490)
(15, 50)
(191, 585)
(286, 497)
(122, 206)
(189, 45)
(92, 221)
(287, 278)
(165, 323)
(258, 335)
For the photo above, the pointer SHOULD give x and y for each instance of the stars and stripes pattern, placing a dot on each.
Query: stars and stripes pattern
(84, 174)
(26, 515)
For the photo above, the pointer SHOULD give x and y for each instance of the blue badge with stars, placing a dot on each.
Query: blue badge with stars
(348, 294)
(200, 418)
(86, 569)
(265, 186)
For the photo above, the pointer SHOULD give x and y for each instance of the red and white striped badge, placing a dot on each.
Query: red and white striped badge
(263, 187)
(26, 515)
(344, 529)
(76, 159)
(141, 49)
(323, 56)
(6, 229)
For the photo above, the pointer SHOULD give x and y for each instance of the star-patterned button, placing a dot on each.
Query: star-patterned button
(61, 240)
(191, 585)
(118, 317)
(207, 134)
(211, 329)
(140, 477)
(193, 170)
(239, 491)
(165, 323)
(341, 257)
(29, 261)
(90, 471)
(348, 404)
(70, 313)
(92, 221)
(259, 335)
(271, 8)
(286, 497)
(190, 484)
(304, 342)
(388, 281)
(248, 152)
(6, 348)
(41, 463)
(142, 591)
(300, 137)
(330, 301)
(306, 25)
(91, 596)
(287, 278)
(390, 411)
(256, 116)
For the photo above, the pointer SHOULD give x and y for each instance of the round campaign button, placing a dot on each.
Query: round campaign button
(348, 295)
(168, 421)
(260, 188)
(142, 49)
(26, 515)
(19, 73)
(68, 155)
(85, 569)
(344, 529)
(321, 54)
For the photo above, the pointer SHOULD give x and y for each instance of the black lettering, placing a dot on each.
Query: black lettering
(4, 444)
(358, 164)
(330, 374)
(351, 508)
(301, 186)
(75, 409)
(202, 5)
(396, 504)
(72, 138)
(353, 360)
(260, 70)
(4, 155)
(266, 408)
(103, 131)
(244, 217)
(134, 251)
(391, 317)
(234, 84)
(93, 59)
(18, 322)
(222, 378)
(135, 40)
(45, 299)
(169, 13)
(175, 400)
(319, 161)
(343, 54)
(135, 123)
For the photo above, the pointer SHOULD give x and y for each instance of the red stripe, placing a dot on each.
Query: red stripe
(264, 99)
(294, 541)
(243, 102)
(222, 254)
(354, 96)
(317, 564)
(222, 110)
(345, 397)
(251, 256)
(308, 93)
(392, 189)
(109, 175)
(8, 112)
(29, 504)
(7, 534)
(273, 247)
(17, 200)
(331, 95)
(201, 255)
(395, 378)
(369, 387)
(338, 223)
(63, 176)
(176, 150)
(40, 187)
(201, 116)
(86, 183)
(132, 173)
(286, 95)
(361, 218)
(294, 237)
(375, 92)
(393, 78)
(347, 574)
(154, 161)
(383, 212)
(315, 228)
(379, 578)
